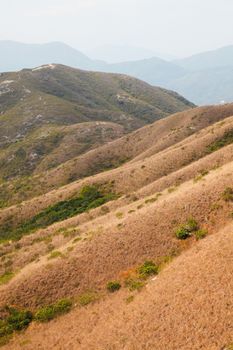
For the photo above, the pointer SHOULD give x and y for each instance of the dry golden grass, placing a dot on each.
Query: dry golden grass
(189, 304)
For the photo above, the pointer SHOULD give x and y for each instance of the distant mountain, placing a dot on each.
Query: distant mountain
(222, 57)
(118, 54)
(208, 78)
(210, 86)
(52, 113)
(205, 78)
(154, 70)
(16, 56)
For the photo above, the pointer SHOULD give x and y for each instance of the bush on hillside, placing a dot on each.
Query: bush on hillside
(228, 194)
(113, 286)
(47, 313)
(185, 231)
(148, 268)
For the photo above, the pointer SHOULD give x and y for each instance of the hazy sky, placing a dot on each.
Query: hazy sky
(179, 27)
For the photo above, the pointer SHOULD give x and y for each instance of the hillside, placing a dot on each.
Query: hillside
(139, 144)
(205, 78)
(43, 109)
(116, 259)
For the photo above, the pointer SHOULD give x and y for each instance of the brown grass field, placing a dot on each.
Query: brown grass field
(177, 169)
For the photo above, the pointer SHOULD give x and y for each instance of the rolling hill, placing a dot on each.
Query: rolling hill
(116, 215)
(43, 112)
(205, 78)
(135, 257)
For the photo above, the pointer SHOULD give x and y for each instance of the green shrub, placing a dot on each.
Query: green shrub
(200, 234)
(19, 320)
(14, 320)
(49, 312)
(148, 268)
(113, 286)
(182, 233)
(225, 140)
(134, 284)
(228, 194)
(87, 298)
(185, 231)
(192, 225)
(129, 299)
(6, 277)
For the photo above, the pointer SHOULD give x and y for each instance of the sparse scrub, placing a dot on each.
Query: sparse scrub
(185, 231)
(129, 299)
(6, 277)
(228, 194)
(55, 254)
(119, 215)
(172, 189)
(76, 240)
(113, 286)
(149, 268)
(151, 200)
(225, 140)
(134, 284)
(52, 311)
(200, 234)
(87, 298)
(201, 175)
(13, 320)
(90, 197)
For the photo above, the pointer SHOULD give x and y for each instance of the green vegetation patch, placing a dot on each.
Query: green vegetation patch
(13, 320)
(200, 234)
(149, 268)
(185, 231)
(52, 311)
(113, 286)
(228, 194)
(226, 140)
(6, 277)
(134, 284)
(90, 197)
(87, 298)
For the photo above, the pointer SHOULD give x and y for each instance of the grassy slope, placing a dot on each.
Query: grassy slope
(110, 242)
(54, 97)
(136, 146)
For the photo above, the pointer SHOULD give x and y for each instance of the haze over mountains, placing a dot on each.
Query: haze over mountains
(203, 79)
(118, 54)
